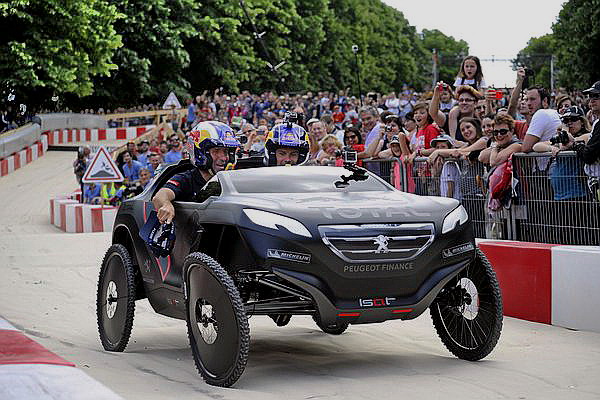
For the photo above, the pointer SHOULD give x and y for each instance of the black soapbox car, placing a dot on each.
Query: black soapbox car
(338, 244)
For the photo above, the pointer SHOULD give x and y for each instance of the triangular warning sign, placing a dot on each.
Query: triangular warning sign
(171, 102)
(102, 169)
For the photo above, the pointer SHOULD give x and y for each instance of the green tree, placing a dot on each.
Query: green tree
(577, 37)
(51, 46)
(450, 53)
(536, 56)
(153, 57)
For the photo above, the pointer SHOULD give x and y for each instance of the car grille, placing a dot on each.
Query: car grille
(378, 242)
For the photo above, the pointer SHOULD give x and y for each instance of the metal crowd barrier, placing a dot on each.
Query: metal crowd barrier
(552, 203)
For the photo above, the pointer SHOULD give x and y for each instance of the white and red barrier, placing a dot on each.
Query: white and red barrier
(69, 215)
(64, 136)
(551, 284)
(24, 157)
(30, 371)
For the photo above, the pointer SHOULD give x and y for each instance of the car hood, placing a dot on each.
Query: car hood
(349, 207)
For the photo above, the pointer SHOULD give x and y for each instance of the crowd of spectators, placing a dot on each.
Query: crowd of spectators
(442, 135)
(13, 116)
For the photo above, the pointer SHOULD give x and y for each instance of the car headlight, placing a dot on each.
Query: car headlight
(274, 221)
(457, 217)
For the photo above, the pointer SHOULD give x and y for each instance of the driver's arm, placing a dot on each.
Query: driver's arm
(163, 203)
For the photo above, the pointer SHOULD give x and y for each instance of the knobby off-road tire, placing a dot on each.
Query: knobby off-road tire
(217, 324)
(470, 331)
(115, 300)
(336, 329)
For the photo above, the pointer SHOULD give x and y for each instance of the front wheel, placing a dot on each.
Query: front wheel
(217, 324)
(467, 313)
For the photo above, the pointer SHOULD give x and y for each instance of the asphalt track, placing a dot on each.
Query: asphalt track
(48, 285)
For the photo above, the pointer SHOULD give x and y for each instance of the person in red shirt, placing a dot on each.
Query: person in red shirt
(422, 148)
(425, 133)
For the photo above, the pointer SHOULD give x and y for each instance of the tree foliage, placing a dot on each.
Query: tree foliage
(577, 37)
(56, 46)
(574, 42)
(123, 52)
(536, 56)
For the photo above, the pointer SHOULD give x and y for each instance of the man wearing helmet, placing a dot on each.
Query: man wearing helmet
(287, 144)
(214, 147)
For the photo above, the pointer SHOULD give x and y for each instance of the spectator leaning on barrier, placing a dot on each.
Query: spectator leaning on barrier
(475, 142)
(504, 142)
(593, 114)
(392, 127)
(450, 172)
(544, 121)
(590, 152)
(564, 172)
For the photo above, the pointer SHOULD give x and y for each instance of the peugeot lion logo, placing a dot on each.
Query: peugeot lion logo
(382, 242)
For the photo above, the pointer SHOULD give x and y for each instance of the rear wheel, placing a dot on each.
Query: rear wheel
(467, 313)
(217, 324)
(115, 299)
(333, 329)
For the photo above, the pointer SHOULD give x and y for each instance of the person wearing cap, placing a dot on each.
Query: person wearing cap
(450, 172)
(397, 147)
(593, 94)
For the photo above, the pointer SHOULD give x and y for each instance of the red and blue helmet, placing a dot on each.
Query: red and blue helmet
(208, 134)
(287, 135)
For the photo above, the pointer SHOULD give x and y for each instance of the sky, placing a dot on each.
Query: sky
(499, 28)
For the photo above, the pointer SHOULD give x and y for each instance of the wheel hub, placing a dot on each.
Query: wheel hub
(206, 321)
(111, 299)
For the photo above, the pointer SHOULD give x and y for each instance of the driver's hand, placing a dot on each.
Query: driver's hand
(166, 213)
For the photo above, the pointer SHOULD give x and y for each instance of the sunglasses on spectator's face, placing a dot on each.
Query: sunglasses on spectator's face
(350, 136)
(500, 132)
(566, 120)
(480, 107)
(466, 100)
(594, 95)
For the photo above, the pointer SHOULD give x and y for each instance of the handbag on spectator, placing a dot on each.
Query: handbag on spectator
(500, 179)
